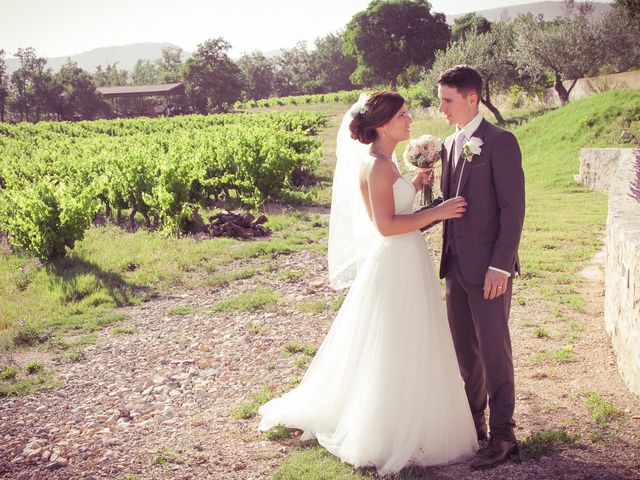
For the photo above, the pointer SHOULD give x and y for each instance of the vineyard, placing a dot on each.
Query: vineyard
(416, 95)
(56, 177)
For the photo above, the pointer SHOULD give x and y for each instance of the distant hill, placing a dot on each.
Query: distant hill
(125, 55)
(549, 10)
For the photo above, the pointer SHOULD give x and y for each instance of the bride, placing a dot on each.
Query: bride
(384, 389)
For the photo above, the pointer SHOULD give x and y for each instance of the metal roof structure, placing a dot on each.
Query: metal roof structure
(142, 90)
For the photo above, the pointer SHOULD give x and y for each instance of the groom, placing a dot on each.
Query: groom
(480, 256)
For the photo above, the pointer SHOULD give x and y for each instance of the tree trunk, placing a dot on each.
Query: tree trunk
(571, 88)
(487, 103)
(562, 92)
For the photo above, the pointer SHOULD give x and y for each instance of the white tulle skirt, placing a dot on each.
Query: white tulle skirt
(384, 389)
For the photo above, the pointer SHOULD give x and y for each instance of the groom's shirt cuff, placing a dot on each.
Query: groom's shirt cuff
(508, 274)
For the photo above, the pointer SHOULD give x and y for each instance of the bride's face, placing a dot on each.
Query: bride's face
(399, 127)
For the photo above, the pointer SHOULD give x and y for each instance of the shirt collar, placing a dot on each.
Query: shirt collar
(472, 125)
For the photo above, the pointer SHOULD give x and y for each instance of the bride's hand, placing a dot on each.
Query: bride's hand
(423, 178)
(452, 208)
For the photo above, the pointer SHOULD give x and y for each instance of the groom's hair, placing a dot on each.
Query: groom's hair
(463, 77)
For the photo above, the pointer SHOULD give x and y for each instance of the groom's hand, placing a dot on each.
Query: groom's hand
(495, 284)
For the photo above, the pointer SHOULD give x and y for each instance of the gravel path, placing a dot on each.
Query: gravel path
(156, 404)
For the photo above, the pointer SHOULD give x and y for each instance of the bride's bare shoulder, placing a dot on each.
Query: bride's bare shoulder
(379, 169)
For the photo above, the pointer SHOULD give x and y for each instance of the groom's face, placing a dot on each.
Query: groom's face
(457, 108)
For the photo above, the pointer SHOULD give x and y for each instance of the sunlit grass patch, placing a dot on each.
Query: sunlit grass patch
(250, 408)
(258, 299)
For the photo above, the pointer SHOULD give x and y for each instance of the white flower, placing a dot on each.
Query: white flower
(471, 148)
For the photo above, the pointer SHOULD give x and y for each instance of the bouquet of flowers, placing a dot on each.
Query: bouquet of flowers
(423, 153)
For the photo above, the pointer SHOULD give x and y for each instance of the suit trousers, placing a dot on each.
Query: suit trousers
(480, 334)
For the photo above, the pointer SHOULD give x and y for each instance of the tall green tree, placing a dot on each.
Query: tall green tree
(469, 24)
(390, 36)
(293, 71)
(145, 72)
(212, 81)
(332, 67)
(170, 65)
(79, 98)
(257, 75)
(34, 89)
(110, 76)
(4, 85)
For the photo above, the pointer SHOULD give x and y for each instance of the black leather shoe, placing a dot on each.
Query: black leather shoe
(498, 451)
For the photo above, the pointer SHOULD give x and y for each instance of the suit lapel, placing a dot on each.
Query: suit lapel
(466, 171)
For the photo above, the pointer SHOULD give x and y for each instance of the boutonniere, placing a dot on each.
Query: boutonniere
(471, 148)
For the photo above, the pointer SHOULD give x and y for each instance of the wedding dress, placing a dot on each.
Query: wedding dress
(384, 388)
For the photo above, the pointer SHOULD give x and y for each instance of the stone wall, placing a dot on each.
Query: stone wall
(598, 167)
(622, 270)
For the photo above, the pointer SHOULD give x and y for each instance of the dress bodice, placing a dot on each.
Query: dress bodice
(403, 195)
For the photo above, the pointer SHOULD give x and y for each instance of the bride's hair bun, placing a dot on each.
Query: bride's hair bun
(378, 110)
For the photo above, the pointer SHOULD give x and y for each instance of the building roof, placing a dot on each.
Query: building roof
(142, 90)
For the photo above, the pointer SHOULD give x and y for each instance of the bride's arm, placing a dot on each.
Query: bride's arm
(380, 179)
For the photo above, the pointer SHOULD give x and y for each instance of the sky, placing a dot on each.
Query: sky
(58, 28)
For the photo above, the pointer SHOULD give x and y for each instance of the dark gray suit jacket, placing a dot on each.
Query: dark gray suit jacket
(493, 184)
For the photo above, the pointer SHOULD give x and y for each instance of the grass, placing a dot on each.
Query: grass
(250, 408)
(313, 306)
(180, 310)
(297, 347)
(33, 367)
(563, 355)
(604, 414)
(540, 332)
(544, 442)
(35, 378)
(164, 459)
(316, 464)
(42, 304)
(258, 299)
(123, 331)
(279, 433)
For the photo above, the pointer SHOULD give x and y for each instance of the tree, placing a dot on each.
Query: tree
(110, 76)
(293, 71)
(145, 72)
(333, 68)
(632, 9)
(567, 48)
(4, 85)
(212, 80)
(79, 98)
(35, 91)
(390, 36)
(469, 24)
(257, 75)
(622, 42)
(170, 66)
